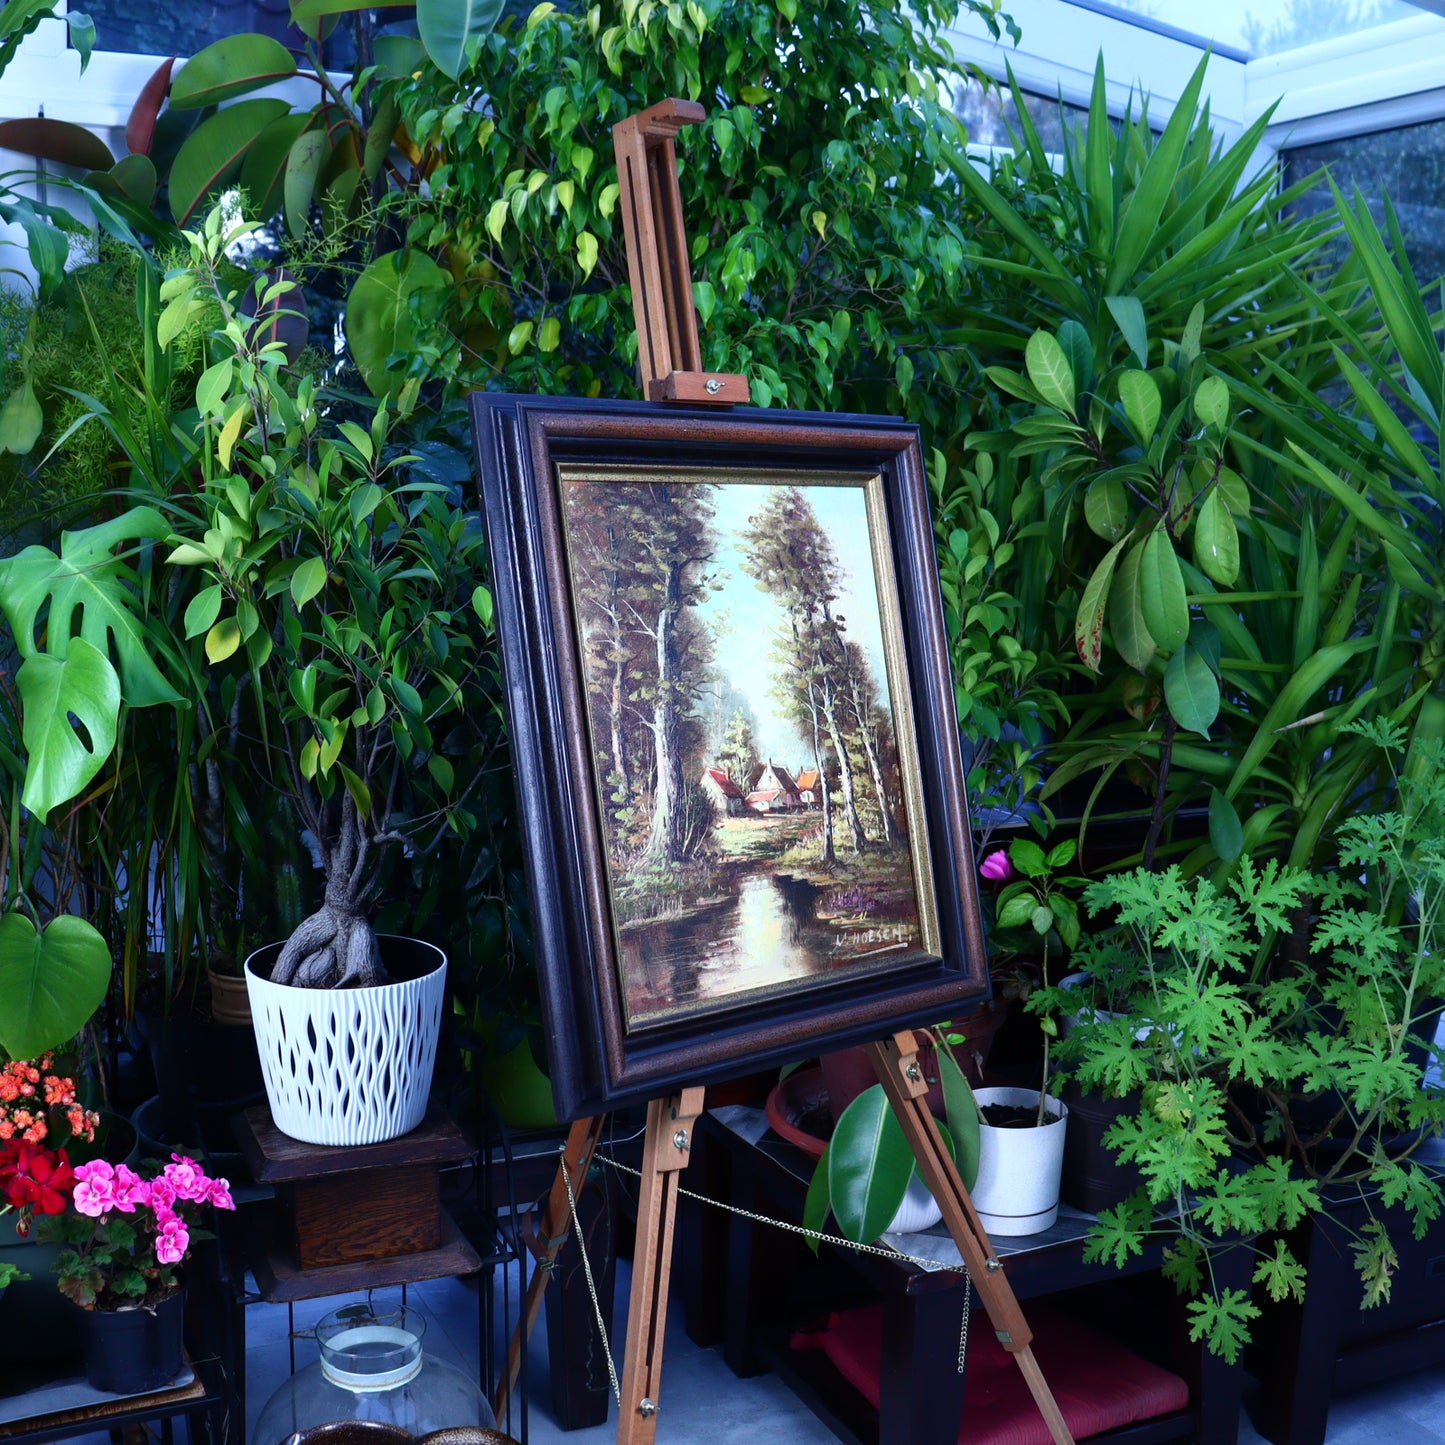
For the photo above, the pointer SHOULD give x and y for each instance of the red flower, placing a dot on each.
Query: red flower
(33, 1179)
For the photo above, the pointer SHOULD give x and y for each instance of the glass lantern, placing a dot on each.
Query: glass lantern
(372, 1376)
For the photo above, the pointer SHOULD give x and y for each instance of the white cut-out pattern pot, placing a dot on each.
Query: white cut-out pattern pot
(350, 1065)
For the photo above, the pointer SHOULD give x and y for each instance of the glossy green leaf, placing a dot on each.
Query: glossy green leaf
(1050, 372)
(307, 580)
(1128, 314)
(231, 67)
(213, 152)
(961, 1110)
(816, 1202)
(1211, 402)
(1140, 394)
(380, 320)
(1089, 620)
(1191, 691)
(1235, 491)
(51, 982)
(1106, 507)
(1079, 350)
(379, 135)
(1216, 539)
(203, 609)
(1226, 834)
(1131, 635)
(447, 27)
(1161, 591)
(869, 1167)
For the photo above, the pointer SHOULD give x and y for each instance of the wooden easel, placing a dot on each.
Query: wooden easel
(669, 361)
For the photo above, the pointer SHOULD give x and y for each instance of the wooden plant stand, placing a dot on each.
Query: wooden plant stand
(669, 356)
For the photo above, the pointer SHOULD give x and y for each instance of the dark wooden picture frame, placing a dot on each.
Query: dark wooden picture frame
(610, 1041)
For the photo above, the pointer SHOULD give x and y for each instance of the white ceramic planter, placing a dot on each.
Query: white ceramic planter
(349, 1065)
(1017, 1191)
(919, 1210)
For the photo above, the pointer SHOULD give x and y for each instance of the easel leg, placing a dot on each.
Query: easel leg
(669, 1137)
(556, 1219)
(896, 1063)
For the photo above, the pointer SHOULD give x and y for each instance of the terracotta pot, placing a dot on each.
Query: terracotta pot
(848, 1072)
(230, 1003)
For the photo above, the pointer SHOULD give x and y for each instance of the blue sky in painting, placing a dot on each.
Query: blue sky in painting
(746, 620)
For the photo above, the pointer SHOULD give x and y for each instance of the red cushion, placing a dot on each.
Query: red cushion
(1099, 1385)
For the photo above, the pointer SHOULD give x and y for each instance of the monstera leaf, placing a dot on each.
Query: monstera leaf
(71, 705)
(89, 582)
(51, 981)
(97, 652)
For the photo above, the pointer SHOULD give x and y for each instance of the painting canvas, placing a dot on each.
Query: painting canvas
(743, 718)
(737, 762)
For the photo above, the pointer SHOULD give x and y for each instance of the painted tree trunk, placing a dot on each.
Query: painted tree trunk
(845, 767)
(665, 836)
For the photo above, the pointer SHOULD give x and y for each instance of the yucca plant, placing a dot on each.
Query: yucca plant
(1135, 311)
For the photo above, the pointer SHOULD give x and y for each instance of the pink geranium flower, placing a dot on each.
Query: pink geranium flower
(172, 1241)
(95, 1188)
(996, 867)
(186, 1178)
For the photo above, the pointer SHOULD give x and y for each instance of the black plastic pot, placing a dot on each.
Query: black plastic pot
(131, 1351)
(1093, 1180)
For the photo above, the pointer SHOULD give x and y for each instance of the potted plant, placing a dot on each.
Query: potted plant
(338, 604)
(1279, 1038)
(128, 1238)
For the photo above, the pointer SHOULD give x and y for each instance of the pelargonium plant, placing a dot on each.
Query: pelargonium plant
(34, 1179)
(37, 1101)
(131, 1232)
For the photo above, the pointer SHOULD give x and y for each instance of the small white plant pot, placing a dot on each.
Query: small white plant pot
(350, 1065)
(1017, 1191)
(918, 1211)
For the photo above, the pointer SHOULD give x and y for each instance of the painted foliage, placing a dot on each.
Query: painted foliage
(745, 731)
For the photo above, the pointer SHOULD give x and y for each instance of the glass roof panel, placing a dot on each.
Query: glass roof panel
(1248, 29)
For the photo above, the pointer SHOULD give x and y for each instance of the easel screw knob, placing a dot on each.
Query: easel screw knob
(714, 386)
(647, 1408)
(913, 1073)
(680, 1140)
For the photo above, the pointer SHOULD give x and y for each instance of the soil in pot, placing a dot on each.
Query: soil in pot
(1015, 1116)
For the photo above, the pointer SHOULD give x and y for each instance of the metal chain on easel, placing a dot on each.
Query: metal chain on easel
(783, 1224)
(591, 1286)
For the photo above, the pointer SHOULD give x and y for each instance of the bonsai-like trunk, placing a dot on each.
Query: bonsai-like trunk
(336, 946)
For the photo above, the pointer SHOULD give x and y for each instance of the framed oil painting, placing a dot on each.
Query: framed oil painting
(734, 734)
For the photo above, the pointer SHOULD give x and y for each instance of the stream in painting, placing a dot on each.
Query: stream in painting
(766, 934)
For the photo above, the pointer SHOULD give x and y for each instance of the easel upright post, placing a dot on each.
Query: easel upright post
(670, 1123)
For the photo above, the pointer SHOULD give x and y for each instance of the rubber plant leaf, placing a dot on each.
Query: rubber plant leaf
(231, 67)
(213, 152)
(869, 1167)
(89, 582)
(21, 418)
(379, 318)
(446, 28)
(815, 1204)
(56, 140)
(140, 126)
(51, 982)
(263, 172)
(962, 1110)
(70, 706)
(298, 187)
